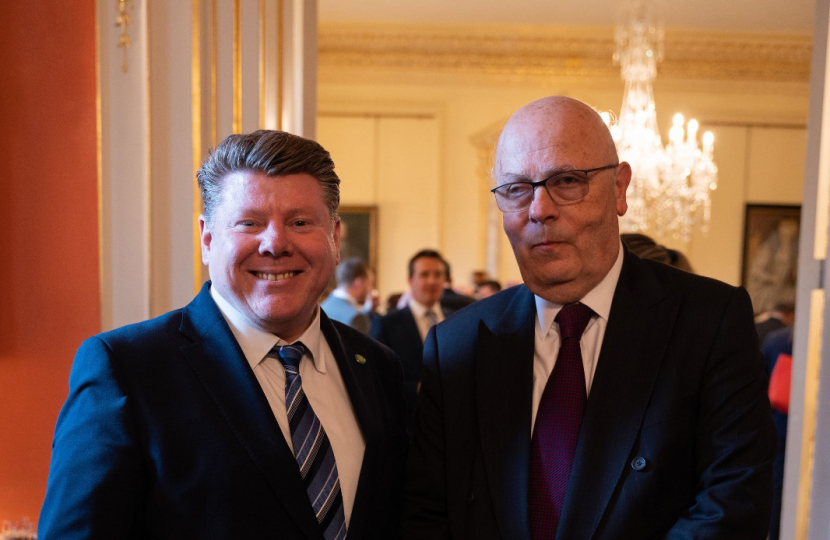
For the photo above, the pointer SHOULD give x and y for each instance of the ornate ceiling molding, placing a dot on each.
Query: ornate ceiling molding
(555, 51)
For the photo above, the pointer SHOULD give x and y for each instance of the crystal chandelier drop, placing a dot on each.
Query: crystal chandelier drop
(670, 186)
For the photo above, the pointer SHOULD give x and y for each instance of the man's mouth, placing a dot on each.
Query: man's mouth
(274, 277)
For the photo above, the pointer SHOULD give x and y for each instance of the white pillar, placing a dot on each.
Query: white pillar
(300, 112)
(806, 504)
(124, 174)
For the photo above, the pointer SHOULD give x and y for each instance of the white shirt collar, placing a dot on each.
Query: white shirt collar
(418, 309)
(343, 295)
(598, 299)
(256, 342)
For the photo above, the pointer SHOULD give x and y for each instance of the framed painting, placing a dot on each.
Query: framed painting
(770, 254)
(359, 234)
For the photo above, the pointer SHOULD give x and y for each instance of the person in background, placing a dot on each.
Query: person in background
(781, 316)
(392, 302)
(487, 288)
(404, 330)
(680, 260)
(646, 248)
(452, 300)
(609, 397)
(355, 282)
(371, 307)
(248, 413)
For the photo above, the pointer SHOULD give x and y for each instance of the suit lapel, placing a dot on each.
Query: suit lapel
(220, 366)
(639, 326)
(360, 382)
(504, 391)
(410, 332)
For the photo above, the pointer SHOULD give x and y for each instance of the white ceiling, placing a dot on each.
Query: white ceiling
(718, 15)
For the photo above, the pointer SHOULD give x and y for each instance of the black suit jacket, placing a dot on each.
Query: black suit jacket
(679, 382)
(768, 326)
(399, 331)
(452, 301)
(166, 433)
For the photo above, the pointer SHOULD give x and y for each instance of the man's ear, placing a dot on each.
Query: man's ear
(621, 185)
(336, 238)
(205, 239)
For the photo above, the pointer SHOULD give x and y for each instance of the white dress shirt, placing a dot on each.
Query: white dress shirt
(322, 384)
(546, 345)
(419, 312)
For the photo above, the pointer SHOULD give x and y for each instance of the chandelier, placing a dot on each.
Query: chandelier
(670, 185)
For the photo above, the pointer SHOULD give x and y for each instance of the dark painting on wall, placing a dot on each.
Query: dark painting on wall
(770, 257)
(358, 233)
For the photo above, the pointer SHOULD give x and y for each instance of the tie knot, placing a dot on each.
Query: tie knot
(290, 355)
(431, 316)
(573, 319)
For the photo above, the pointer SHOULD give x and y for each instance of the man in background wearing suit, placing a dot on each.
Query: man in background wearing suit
(355, 281)
(609, 397)
(405, 329)
(452, 300)
(248, 413)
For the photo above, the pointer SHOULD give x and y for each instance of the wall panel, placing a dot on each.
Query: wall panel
(718, 253)
(390, 160)
(776, 170)
(409, 195)
(352, 142)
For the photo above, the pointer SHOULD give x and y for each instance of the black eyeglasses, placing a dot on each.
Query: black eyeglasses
(563, 187)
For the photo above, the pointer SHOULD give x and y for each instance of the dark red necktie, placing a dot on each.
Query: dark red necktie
(557, 425)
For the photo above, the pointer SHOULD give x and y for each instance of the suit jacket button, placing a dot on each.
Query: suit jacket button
(638, 463)
(471, 499)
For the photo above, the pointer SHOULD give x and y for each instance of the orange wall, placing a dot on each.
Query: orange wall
(49, 292)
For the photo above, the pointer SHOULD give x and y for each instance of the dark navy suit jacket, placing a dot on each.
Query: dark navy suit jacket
(166, 433)
(399, 331)
(679, 383)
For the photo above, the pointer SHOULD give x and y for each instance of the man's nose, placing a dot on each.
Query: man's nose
(273, 241)
(542, 207)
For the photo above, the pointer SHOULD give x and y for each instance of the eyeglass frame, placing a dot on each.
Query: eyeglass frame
(543, 183)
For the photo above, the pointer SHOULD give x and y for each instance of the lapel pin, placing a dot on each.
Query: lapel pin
(360, 359)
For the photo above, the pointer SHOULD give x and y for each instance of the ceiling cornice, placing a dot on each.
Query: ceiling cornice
(556, 51)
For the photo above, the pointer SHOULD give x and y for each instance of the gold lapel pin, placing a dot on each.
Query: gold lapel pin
(360, 359)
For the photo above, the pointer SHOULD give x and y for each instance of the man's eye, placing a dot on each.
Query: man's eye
(300, 223)
(246, 223)
(515, 191)
(567, 180)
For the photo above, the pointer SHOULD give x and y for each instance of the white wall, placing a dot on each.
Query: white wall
(393, 162)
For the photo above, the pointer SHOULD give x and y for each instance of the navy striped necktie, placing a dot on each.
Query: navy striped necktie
(558, 421)
(312, 448)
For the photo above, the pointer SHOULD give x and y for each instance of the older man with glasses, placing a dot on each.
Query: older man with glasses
(608, 397)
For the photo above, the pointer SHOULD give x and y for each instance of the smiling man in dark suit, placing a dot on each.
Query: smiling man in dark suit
(248, 413)
(608, 397)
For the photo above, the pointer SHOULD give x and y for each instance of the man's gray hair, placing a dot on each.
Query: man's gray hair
(274, 153)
